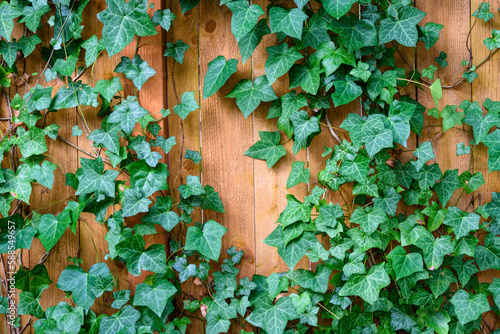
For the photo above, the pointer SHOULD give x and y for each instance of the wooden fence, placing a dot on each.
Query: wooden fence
(253, 195)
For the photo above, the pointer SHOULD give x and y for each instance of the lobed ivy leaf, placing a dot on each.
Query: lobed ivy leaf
(137, 258)
(367, 286)
(250, 94)
(155, 296)
(244, 17)
(136, 70)
(207, 241)
(280, 60)
(267, 148)
(176, 50)
(469, 307)
(219, 70)
(404, 29)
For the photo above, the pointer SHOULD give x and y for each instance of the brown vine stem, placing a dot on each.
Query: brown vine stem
(330, 127)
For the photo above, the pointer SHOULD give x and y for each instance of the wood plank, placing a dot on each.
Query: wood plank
(485, 86)
(270, 184)
(226, 135)
(181, 78)
(455, 16)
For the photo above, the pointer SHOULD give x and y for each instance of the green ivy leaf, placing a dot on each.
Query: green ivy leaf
(137, 258)
(134, 202)
(65, 67)
(367, 286)
(492, 141)
(44, 174)
(127, 113)
(298, 174)
(471, 182)
(345, 91)
(469, 307)
(267, 148)
(273, 318)
(8, 13)
(462, 149)
(280, 60)
(92, 178)
(163, 18)
(405, 264)
(108, 88)
(18, 184)
(125, 318)
(34, 281)
(447, 186)
(305, 129)
(219, 70)
(176, 50)
(249, 95)
(369, 218)
(188, 105)
(483, 12)
(160, 214)
(86, 287)
(430, 34)
(107, 135)
(488, 256)
(434, 249)
(244, 18)
(403, 30)
(120, 298)
(206, 241)
(136, 70)
(154, 296)
(28, 44)
(338, 8)
(423, 153)
(93, 48)
(252, 39)
(122, 21)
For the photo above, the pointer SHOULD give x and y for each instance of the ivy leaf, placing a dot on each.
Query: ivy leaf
(206, 241)
(187, 5)
(92, 47)
(298, 174)
(493, 42)
(132, 251)
(194, 156)
(465, 270)
(430, 34)
(470, 182)
(65, 67)
(108, 88)
(29, 304)
(92, 178)
(469, 307)
(488, 256)
(160, 214)
(18, 184)
(127, 113)
(376, 136)
(86, 287)
(405, 264)
(164, 18)
(273, 318)
(192, 187)
(403, 30)
(148, 179)
(367, 286)
(28, 44)
(462, 149)
(423, 153)
(134, 202)
(474, 117)
(267, 148)
(345, 91)
(136, 70)
(389, 202)
(398, 120)
(447, 186)
(483, 12)
(428, 176)
(122, 20)
(34, 281)
(327, 220)
(107, 135)
(316, 32)
(120, 298)
(154, 296)
(252, 39)
(289, 22)
(441, 281)
(176, 50)
(8, 13)
(44, 174)
(355, 35)
(9, 52)
(451, 117)
(308, 79)
(332, 57)
(494, 288)
(188, 104)
(338, 8)
(244, 18)
(434, 249)
(51, 229)
(305, 129)
(492, 141)
(249, 95)
(461, 222)
(31, 142)
(125, 318)
(369, 218)
(219, 70)
(280, 60)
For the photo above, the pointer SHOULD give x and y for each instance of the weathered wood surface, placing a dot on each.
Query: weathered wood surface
(253, 195)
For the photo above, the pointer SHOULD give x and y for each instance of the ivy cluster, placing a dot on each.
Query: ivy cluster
(376, 270)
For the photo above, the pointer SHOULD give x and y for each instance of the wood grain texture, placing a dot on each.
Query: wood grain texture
(226, 135)
(485, 86)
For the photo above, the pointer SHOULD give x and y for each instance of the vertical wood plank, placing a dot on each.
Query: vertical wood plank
(226, 135)
(270, 184)
(485, 86)
(455, 16)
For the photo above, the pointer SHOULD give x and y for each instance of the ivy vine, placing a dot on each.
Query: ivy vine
(376, 270)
